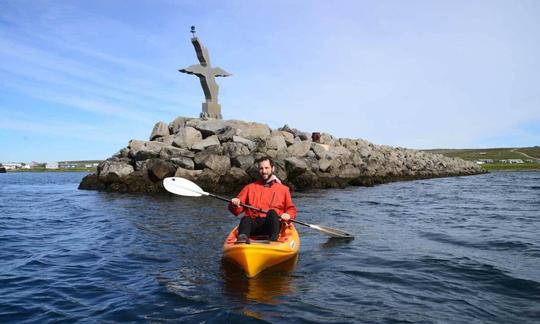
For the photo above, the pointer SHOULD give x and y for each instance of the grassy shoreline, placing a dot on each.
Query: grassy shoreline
(511, 167)
(526, 154)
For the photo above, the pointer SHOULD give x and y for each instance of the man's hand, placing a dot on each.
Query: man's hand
(285, 216)
(235, 202)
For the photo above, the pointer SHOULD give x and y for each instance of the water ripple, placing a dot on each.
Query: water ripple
(462, 249)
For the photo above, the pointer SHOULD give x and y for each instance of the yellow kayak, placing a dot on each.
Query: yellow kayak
(261, 254)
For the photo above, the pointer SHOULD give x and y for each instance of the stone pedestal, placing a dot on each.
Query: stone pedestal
(211, 110)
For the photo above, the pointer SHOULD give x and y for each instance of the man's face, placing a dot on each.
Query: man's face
(265, 170)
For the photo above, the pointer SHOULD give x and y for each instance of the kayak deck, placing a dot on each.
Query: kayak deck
(261, 254)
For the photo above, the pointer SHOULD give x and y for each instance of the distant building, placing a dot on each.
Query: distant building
(12, 166)
(513, 161)
(78, 164)
(67, 165)
(51, 165)
(35, 164)
(484, 161)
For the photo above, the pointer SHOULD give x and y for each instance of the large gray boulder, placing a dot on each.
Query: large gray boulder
(303, 136)
(299, 149)
(276, 143)
(205, 143)
(341, 152)
(250, 144)
(320, 150)
(232, 149)
(217, 163)
(186, 137)
(139, 181)
(171, 152)
(365, 152)
(109, 171)
(202, 155)
(183, 162)
(349, 172)
(167, 139)
(188, 174)
(295, 166)
(143, 150)
(159, 169)
(243, 162)
(235, 178)
(160, 129)
(324, 165)
(176, 124)
(252, 130)
(238, 175)
(289, 137)
(207, 127)
(226, 134)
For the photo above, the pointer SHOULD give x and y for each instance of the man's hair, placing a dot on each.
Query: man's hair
(265, 158)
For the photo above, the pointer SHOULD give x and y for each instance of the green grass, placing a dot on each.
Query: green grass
(532, 151)
(496, 154)
(511, 167)
(490, 153)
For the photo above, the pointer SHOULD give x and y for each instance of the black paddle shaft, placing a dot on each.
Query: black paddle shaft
(241, 204)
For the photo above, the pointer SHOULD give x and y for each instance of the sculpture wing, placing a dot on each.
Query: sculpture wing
(196, 69)
(219, 72)
(202, 52)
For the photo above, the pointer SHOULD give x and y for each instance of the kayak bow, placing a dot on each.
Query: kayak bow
(261, 254)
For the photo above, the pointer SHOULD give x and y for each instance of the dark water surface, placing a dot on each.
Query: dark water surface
(453, 250)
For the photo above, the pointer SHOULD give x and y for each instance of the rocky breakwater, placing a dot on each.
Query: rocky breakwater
(219, 155)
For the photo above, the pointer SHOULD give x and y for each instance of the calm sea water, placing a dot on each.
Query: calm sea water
(457, 250)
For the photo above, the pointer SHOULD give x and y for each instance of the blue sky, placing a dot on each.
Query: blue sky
(79, 79)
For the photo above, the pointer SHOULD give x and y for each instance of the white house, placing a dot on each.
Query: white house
(513, 161)
(483, 161)
(12, 166)
(51, 165)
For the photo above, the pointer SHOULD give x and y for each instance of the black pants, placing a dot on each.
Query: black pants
(269, 225)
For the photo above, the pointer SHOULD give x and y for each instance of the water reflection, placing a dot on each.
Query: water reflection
(267, 287)
(334, 242)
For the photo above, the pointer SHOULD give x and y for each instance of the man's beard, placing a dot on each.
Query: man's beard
(269, 176)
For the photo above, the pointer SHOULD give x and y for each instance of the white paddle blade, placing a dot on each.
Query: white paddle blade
(183, 187)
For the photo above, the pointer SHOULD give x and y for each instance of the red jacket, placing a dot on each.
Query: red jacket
(265, 196)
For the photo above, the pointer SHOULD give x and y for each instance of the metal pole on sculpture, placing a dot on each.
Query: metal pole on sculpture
(207, 76)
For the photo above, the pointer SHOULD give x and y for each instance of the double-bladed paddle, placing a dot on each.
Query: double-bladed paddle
(184, 187)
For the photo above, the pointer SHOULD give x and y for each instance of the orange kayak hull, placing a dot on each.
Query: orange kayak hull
(257, 256)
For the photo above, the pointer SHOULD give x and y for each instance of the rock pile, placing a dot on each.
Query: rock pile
(219, 155)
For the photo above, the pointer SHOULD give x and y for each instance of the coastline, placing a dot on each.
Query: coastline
(51, 170)
(511, 167)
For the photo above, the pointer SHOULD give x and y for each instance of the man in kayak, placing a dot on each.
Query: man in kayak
(266, 193)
